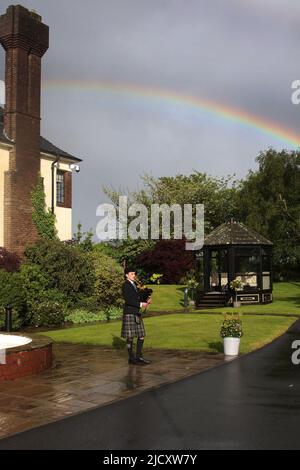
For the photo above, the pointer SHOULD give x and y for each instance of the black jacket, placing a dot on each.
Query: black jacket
(131, 297)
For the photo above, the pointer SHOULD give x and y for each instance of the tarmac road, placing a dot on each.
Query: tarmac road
(249, 403)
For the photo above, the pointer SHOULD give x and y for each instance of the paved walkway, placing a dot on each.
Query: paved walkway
(84, 377)
(249, 403)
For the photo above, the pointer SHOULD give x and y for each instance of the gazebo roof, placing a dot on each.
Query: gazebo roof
(233, 232)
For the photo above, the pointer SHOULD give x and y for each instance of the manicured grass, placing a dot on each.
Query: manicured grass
(182, 331)
(286, 297)
(167, 297)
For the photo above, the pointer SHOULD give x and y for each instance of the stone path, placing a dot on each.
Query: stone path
(86, 377)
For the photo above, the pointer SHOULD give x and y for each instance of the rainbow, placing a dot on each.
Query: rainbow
(167, 97)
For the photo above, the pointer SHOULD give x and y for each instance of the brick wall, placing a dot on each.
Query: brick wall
(25, 40)
(21, 364)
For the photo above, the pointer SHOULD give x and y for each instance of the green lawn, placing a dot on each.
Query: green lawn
(167, 297)
(182, 331)
(286, 300)
(197, 332)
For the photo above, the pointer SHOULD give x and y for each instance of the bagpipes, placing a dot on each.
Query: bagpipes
(144, 292)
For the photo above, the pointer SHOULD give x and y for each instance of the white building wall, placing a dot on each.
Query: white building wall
(63, 214)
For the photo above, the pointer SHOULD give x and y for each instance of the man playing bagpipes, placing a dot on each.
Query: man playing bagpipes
(132, 324)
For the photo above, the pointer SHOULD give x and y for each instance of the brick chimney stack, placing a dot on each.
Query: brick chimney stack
(25, 40)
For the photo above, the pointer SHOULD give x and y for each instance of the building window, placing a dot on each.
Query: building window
(60, 188)
(64, 188)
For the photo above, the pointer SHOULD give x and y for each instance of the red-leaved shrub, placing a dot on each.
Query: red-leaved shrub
(9, 261)
(169, 258)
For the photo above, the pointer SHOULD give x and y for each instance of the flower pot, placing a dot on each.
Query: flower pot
(231, 346)
(236, 304)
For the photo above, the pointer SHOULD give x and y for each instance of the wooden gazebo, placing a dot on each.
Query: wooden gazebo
(234, 251)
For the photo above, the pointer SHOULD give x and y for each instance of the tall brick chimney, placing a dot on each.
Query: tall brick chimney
(25, 39)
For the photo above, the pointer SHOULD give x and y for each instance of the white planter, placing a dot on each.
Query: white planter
(231, 346)
(236, 304)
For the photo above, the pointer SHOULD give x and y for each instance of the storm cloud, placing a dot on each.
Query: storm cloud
(238, 54)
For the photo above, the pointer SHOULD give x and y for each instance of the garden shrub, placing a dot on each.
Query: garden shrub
(12, 292)
(88, 303)
(17, 320)
(83, 239)
(47, 311)
(67, 268)
(191, 274)
(155, 278)
(37, 292)
(109, 279)
(169, 258)
(79, 316)
(113, 313)
(34, 281)
(9, 261)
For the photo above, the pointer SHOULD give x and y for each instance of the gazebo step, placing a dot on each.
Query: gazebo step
(206, 306)
(212, 304)
(212, 300)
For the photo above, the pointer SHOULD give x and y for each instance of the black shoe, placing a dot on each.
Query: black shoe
(142, 360)
(133, 361)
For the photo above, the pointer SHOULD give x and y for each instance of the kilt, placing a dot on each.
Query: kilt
(130, 328)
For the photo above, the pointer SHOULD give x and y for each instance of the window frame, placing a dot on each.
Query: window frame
(67, 188)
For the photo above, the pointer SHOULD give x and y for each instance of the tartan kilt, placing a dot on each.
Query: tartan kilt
(130, 328)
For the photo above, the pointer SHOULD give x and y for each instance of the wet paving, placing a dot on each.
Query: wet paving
(249, 403)
(85, 377)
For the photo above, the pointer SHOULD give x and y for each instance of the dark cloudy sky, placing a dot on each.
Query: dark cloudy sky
(238, 53)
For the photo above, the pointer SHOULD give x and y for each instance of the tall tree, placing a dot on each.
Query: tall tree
(269, 201)
(219, 195)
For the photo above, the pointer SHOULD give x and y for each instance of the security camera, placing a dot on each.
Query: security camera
(72, 166)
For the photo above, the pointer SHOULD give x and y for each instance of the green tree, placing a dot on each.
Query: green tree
(83, 239)
(219, 195)
(125, 251)
(269, 202)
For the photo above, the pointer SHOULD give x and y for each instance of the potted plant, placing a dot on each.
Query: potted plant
(192, 285)
(231, 332)
(235, 285)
